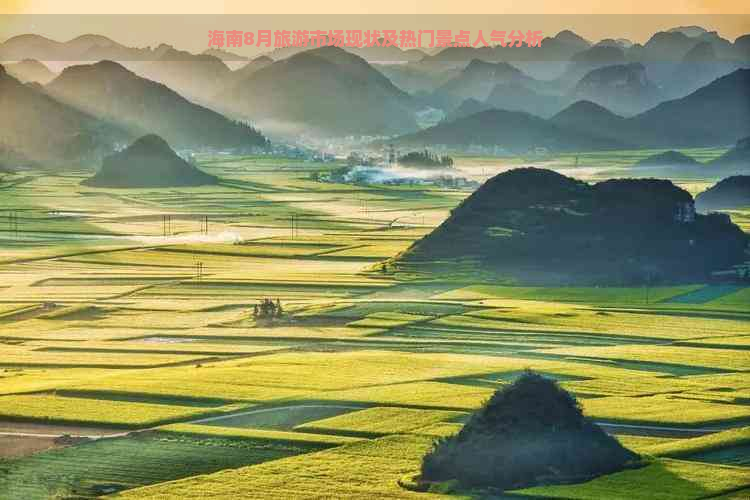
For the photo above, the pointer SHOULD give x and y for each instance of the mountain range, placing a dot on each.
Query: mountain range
(30, 70)
(717, 114)
(648, 94)
(37, 129)
(513, 131)
(322, 91)
(111, 92)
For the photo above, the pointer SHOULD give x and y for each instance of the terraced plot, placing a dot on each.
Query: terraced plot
(110, 465)
(357, 470)
(665, 479)
(62, 409)
(379, 421)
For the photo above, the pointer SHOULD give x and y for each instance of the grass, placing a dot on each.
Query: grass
(60, 409)
(642, 444)
(305, 438)
(664, 410)
(603, 324)
(24, 357)
(308, 372)
(387, 320)
(367, 469)
(419, 394)
(663, 479)
(587, 295)
(91, 469)
(726, 359)
(685, 448)
(439, 430)
(379, 421)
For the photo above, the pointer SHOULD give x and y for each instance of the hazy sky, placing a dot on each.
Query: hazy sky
(375, 7)
(636, 19)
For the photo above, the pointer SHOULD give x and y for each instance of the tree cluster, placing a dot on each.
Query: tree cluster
(268, 308)
(425, 159)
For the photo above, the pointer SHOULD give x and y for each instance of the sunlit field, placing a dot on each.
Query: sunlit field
(127, 322)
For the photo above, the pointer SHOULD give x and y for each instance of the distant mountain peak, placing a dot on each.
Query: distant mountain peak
(585, 107)
(30, 70)
(148, 162)
(152, 142)
(635, 71)
(689, 31)
(667, 158)
(27, 37)
(224, 55)
(665, 40)
(100, 40)
(703, 51)
(101, 67)
(598, 53)
(571, 37)
(479, 64)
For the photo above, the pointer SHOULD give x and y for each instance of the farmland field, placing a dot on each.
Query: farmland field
(139, 342)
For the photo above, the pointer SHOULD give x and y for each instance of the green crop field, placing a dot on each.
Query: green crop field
(54, 408)
(110, 465)
(380, 421)
(667, 479)
(116, 327)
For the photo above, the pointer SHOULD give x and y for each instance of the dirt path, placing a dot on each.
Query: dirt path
(21, 446)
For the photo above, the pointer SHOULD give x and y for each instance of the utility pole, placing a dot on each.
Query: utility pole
(13, 223)
(166, 225)
(293, 225)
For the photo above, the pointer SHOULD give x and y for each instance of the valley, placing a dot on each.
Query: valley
(128, 341)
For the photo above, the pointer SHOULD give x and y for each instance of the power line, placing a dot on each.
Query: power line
(166, 225)
(13, 223)
(293, 225)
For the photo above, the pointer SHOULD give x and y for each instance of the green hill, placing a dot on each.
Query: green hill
(325, 91)
(109, 91)
(530, 432)
(736, 161)
(512, 130)
(44, 131)
(732, 192)
(537, 226)
(148, 162)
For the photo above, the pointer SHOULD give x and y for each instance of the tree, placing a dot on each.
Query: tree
(529, 432)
